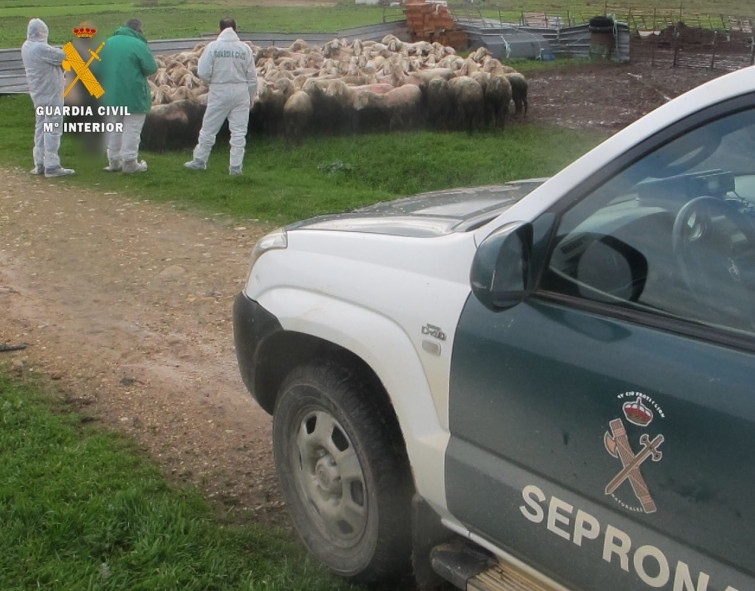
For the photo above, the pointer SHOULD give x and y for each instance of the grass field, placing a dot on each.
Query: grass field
(175, 19)
(81, 508)
(285, 182)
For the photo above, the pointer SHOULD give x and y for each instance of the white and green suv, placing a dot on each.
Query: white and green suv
(547, 384)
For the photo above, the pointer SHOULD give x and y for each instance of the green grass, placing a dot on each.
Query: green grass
(284, 182)
(82, 508)
(176, 20)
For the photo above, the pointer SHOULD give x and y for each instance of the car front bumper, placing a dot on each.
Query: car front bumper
(253, 325)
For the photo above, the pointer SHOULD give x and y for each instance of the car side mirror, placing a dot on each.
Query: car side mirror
(500, 276)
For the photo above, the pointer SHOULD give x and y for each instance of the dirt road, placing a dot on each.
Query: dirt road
(127, 306)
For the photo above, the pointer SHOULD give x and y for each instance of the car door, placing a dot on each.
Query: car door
(602, 428)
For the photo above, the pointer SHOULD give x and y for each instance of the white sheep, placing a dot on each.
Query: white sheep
(297, 114)
(468, 103)
(389, 83)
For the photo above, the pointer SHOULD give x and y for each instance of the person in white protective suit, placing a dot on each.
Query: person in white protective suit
(45, 78)
(227, 64)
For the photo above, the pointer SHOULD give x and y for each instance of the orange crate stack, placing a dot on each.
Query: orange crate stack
(430, 21)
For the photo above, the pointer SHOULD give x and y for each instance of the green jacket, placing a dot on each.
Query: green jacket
(126, 62)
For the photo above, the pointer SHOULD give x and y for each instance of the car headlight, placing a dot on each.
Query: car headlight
(274, 240)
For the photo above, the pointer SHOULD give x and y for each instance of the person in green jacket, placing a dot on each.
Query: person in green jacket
(126, 63)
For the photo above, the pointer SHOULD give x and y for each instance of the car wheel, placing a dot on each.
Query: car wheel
(343, 469)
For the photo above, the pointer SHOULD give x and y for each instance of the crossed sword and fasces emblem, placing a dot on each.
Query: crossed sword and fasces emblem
(75, 63)
(617, 444)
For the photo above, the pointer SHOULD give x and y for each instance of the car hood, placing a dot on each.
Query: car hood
(428, 214)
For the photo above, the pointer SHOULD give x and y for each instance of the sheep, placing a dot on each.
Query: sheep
(518, 92)
(189, 80)
(172, 126)
(469, 67)
(329, 100)
(378, 85)
(392, 43)
(332, 47)
(339, 105)
(399, 108)
(405, 106)
(479, 54)
(161, 77)
(496, 92)
(426, 75)
(439, 105)
(299, 45)
(468, 103)
(451, 62)
(201, 95)
(378, 88)
(297, 114)
(161, 95)
(177, 73)
(267, 112)
(417, 48)
(179, 94)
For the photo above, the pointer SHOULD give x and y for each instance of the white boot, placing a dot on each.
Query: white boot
(113, 166)
(130, 166)
(58, 171)
(196, 165)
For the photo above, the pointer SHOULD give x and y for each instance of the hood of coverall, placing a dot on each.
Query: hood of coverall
(37, 30)
(228, 34)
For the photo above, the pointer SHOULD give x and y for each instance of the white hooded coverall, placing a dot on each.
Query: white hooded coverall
(45, 78)
(227, 64)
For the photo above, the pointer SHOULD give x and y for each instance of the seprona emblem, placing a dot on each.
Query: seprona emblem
(639, 410)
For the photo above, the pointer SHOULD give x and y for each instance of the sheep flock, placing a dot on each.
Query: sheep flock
(345, 87)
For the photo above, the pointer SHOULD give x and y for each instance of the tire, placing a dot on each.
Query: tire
(343, 469)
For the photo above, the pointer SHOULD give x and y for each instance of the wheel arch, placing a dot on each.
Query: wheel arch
(314, 326)
(286, 350)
